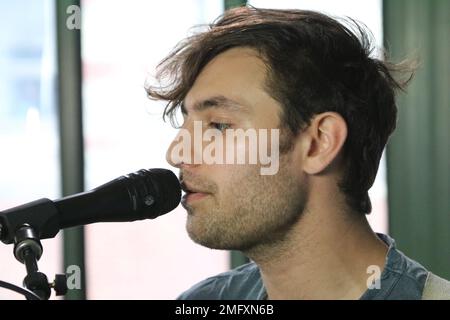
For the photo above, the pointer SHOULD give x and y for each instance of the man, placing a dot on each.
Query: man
(304, 226)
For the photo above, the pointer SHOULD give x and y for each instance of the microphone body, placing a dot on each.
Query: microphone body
(145, 194)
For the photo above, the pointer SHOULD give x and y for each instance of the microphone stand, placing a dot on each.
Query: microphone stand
(28, 250)
(25, 226)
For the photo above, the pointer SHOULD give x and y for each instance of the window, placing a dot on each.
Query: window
(124, 132)
(29, 159)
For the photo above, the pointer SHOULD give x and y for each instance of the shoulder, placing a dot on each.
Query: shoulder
(436, 288)
(243, 282)
(402, 278)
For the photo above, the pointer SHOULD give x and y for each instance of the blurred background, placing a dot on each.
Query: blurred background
(74, 114)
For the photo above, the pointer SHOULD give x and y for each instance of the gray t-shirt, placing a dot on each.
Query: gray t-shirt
(402, 278)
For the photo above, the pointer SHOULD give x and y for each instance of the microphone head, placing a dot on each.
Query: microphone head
(154, 192)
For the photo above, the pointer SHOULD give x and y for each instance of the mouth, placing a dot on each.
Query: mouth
(192, 194)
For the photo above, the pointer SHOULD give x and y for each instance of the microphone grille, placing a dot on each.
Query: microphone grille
(158, 191)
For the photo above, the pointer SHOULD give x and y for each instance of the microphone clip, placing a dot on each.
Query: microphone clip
(41, 215)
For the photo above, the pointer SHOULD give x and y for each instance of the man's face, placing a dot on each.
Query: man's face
(233, 206)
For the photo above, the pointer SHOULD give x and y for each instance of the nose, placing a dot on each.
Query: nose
(173, 157)
(181, 150)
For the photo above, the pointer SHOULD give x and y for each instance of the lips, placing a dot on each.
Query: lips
(188, 188)
(192, 193)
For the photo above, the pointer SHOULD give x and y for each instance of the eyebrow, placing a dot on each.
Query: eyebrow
(216, 102)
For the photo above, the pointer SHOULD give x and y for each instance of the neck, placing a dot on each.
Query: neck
(324, 256)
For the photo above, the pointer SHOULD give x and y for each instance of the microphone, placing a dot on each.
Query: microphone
(145, 194)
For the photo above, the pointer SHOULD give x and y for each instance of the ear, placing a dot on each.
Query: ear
(322, 141)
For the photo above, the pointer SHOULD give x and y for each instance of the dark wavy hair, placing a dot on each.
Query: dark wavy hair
(314, 64)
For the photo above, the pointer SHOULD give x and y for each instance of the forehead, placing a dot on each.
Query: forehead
(237, 74)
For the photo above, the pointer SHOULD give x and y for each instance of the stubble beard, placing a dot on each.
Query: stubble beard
(252, 214)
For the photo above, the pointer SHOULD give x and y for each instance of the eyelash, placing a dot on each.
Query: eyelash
(219, 126)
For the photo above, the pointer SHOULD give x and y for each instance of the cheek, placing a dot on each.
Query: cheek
(224, 175)
(233, 180)
(251, 146)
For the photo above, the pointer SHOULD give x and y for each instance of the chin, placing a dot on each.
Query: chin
(217, 241)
